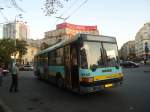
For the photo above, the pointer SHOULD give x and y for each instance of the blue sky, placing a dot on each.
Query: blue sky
(119, 18)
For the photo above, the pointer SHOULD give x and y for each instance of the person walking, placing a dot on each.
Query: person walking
(1, 75)
(14, 83)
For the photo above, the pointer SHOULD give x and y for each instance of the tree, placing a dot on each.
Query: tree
(50, 6)
(21, 48)
(44, 46)
(8, 49)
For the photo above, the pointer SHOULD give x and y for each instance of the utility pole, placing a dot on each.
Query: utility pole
(20, 16)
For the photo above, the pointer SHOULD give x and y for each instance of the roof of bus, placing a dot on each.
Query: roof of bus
(89, 37)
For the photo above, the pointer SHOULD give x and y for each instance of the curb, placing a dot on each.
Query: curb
(4, 107)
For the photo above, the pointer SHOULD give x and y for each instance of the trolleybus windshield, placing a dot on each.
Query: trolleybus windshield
(98, 54)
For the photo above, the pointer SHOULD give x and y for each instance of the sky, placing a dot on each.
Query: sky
(119, 18)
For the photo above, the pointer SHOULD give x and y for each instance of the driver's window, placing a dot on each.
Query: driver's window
(83, 58)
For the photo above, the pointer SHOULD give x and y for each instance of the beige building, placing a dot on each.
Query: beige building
(142, 37)
(127, 51)
(32, 49)
(66, 31)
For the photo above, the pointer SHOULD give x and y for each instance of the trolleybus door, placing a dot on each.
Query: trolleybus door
(67, 66)
(74, 66)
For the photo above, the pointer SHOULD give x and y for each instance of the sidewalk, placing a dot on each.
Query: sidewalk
(29, 98)
(8, 101)
(4, 107)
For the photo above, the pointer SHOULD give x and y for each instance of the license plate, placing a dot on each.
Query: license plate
(108, 85)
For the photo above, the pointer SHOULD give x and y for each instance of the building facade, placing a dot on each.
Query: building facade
(15, 30)
(142, 37)
(67, 31)
(127, 51)
(32, 48)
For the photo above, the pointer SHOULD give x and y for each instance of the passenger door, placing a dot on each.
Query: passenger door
(74, 66)
(67, 66)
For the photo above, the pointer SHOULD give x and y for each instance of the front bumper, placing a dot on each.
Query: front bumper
(99, 85)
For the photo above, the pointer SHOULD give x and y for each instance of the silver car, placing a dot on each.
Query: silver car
(28, 68)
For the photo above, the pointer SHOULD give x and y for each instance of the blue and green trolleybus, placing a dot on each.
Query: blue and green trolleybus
(85, 63)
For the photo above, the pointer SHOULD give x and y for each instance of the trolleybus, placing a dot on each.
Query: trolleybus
(85, 63)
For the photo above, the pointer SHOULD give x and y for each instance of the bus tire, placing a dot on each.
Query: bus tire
(60, 82)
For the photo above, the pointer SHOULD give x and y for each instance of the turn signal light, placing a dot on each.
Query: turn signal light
(87, 79)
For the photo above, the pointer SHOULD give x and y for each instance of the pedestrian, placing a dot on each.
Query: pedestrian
(1, 75)
(14, 74)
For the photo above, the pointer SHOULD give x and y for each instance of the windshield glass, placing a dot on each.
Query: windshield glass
(93, 54)
(110, 54)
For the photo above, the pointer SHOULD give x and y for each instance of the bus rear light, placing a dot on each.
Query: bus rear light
(87, 79)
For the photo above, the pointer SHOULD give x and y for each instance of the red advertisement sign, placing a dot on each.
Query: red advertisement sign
(75, 27)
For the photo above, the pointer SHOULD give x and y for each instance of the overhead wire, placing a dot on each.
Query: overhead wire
(76, 9)
(13, 2)
(75, 1)
(3, 16)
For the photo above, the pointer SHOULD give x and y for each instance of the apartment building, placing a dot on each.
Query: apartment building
(141, 39)
(16, 30)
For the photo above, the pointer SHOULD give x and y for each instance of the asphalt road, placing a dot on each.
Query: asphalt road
(39, 96)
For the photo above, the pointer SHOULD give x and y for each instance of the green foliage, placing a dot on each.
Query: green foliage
(21, 48)
(8, 49)
(44, 46)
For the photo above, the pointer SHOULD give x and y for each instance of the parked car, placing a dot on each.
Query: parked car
(21, 68)
(28, 68)
(5, 72)
(129, 64)
(148, 61)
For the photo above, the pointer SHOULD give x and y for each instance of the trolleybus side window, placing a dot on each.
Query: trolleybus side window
(59, 56)
(52, 58)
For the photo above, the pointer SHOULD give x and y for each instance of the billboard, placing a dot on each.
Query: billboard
(76, 27)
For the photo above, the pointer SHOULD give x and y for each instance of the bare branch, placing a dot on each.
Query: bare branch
(52, 6)
(13, 2)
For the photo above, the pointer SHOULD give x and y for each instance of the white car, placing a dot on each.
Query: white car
(28, 68)
(5, 72)
(148, 61)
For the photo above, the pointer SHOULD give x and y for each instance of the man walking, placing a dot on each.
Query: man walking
(14, 83)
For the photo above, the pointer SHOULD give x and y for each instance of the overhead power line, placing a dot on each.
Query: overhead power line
(13, 2)
(3, 16)
(76, 9)
(64, 12)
